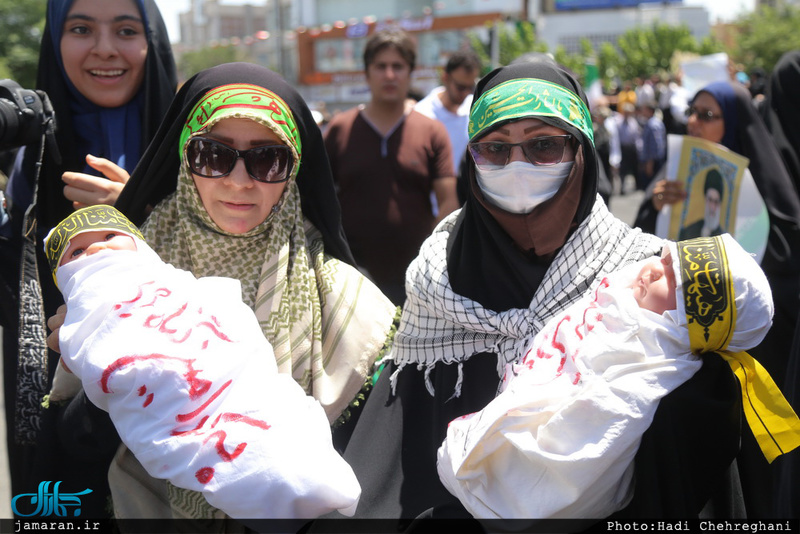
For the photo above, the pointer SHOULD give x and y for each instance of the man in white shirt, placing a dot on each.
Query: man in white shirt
(450, 102)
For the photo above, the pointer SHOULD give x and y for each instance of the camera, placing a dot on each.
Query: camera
(25, 115)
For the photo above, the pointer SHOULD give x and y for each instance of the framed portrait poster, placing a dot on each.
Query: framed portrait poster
(721, 195)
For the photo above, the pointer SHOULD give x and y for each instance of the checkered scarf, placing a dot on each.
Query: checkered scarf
(439, 325)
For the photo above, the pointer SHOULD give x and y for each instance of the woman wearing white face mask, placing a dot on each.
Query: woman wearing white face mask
(532, 237)
(518, 176)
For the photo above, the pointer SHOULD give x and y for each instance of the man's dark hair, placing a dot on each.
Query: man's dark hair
(463, 58)
(394, 38)
(714, 181)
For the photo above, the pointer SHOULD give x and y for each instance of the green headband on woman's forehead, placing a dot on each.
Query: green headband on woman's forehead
(528, 98)
(245, 101)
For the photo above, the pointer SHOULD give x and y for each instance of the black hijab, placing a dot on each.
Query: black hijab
(156, 176)
(483, 262)
(781, 111)
(155, 94)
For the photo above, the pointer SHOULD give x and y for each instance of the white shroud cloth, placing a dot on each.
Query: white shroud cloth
(191, 384)
(560, 439)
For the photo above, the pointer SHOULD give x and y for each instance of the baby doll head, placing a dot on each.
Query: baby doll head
(724, 298)
(654, 287)
(87, 231)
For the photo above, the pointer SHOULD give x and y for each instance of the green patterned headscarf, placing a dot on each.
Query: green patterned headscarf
(528, 98)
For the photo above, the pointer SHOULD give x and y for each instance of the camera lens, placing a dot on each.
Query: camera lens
(9, 121)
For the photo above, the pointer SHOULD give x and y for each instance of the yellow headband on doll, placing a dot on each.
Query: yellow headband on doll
(709, 300)
(89, 219)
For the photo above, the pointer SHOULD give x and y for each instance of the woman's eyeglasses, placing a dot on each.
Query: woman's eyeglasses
(547, 150)
(211, 159)
(704, 116)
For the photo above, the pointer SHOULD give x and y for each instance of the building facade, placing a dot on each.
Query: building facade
(318, 44)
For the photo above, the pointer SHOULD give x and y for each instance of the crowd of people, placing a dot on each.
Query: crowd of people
(401, 281)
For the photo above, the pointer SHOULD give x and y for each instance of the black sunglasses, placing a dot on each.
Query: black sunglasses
(704, 116)
(547, 150)
(211, 159)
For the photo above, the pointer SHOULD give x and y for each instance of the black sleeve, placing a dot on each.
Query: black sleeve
(86, 431)
(687, 454)
(646, 216)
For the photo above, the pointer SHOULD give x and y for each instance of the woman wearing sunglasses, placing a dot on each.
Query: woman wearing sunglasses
(723, 112)
(237, 184)
(532, 238)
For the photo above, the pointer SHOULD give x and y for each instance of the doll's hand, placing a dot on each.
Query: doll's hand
(54, 324)
(86, 190)
(667, 192)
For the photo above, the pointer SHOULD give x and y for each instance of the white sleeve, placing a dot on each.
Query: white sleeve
(615, 151)
(192, 386)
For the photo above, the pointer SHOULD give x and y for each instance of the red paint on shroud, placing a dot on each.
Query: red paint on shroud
(204, 475)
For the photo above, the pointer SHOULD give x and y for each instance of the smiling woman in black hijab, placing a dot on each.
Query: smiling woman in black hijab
(490, 276)
(108, 100)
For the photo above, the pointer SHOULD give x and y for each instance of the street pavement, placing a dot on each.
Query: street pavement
(623, 206)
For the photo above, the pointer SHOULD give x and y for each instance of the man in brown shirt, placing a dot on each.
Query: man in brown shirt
(386, 161)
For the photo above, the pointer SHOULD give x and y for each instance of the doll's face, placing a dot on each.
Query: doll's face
(104, 47)
(89, 243)
(654, 287)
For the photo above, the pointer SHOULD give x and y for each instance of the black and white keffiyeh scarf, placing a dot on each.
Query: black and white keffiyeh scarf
(439, 325)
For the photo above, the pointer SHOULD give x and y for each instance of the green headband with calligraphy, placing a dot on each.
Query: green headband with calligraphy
(242, 100)
(91, 219)
(528, 98)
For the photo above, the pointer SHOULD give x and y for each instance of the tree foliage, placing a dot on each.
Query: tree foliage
(193, 62)
(21, 26)
(645, 51)
(765, 35)
(639, 52)
(515, 38)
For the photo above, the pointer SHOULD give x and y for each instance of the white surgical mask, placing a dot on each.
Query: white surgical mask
(521, 186)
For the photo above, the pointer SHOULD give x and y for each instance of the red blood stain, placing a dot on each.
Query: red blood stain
(556, 345)
(204, 475)
(239, 418)
(220, 446)
(194, 430)
(185, 417)
(214, 327)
